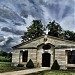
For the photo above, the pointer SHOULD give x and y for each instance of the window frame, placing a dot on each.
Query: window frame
(24, 57)
(70, 57)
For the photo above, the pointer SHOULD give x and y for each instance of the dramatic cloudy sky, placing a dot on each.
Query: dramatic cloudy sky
(16, 15)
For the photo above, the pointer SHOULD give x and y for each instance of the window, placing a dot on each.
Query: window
(24, 56)
(46, 46)
(71, 57)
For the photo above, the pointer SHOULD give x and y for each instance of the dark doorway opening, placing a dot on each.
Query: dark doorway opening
(46, 60)
(25, 56)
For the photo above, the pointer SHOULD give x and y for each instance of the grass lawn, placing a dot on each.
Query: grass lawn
(6, 67)
(54, 73)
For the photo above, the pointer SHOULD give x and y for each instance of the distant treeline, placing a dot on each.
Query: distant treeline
(5, 56)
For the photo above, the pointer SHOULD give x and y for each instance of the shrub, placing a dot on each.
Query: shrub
(5, 59)
(30, 64)
(20, 65)
(55, 66)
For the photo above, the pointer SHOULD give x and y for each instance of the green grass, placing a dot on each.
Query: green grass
(6, 67)
(54, 73)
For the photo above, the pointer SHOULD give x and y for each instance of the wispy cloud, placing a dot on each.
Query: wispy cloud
(16, 15)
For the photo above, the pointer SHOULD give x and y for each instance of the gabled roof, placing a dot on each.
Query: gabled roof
(23, 43)
(55, 38)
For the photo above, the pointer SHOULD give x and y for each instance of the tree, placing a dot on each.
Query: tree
(54, 29)
(33, 31)
(3, 53)
(36, 29)
(69, 35)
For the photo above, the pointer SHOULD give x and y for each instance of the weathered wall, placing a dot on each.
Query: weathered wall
(15, 56)
(32, 55)
(61, 57)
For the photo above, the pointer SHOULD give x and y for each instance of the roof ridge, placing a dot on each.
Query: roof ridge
(43, 37)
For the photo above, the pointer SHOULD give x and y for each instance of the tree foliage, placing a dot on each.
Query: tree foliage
(37, 29)
(54, 29)
(69, 35)
(5, 54)
(5, 57)
(33, 31)
(2, 53)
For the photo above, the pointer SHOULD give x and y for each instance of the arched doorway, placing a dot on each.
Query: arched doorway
(46, 60)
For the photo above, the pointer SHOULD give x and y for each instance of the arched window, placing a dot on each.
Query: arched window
(46, 46)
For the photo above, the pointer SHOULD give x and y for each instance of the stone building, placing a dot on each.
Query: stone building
(44, 50)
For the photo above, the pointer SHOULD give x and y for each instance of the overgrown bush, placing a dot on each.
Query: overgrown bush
(20, 65)
(30, 64)
(5, 59)
(55, 66)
